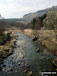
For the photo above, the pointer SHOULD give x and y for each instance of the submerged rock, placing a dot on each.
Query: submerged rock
(25, 71)
(8, 69)
(19, 63)
(15, 43)
(38, 50)
(30, 73)
(11, 69)
(18, 45)
(4, 65)
(0, 68)
(1, 61)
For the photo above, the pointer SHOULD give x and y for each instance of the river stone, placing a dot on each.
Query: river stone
(1, 62)
(25, 71)
(15, 43)
(8, 69)
(3, 69)
(19, 63)
(34, 38)
(11, 69)
(38, 50)
(0, 68)
(18, 45)
(30, 73)
(4, 65)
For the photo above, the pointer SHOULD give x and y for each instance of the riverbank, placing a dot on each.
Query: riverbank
(47, 38)
(7, 48)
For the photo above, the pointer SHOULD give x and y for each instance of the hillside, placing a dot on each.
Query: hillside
(14, 20)
(29, 17)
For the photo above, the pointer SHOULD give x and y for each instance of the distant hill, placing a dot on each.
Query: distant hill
(29, 17)
(14, 20)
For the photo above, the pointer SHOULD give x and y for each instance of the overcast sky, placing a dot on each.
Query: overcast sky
(17, 8)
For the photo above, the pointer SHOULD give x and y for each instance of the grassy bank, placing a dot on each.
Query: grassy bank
(6, 46)
(48, 38)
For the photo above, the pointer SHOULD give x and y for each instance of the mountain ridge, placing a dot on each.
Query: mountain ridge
(29, 17)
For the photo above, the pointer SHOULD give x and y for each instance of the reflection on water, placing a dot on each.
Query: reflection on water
(26, 60)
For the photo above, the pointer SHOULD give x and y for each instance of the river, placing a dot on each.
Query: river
(25, 59)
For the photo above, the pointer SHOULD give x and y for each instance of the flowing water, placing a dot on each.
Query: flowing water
(26, 58)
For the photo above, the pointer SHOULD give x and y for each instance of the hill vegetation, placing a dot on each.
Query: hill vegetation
(50, 21)
(47, 21)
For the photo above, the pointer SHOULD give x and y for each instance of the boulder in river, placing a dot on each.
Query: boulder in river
(18, 45)
(11, 69)
(38, 50)
(0, 68)
(25, 71)
(1, 61)
(30, 73)
(4, 65)
(34, 38)
(15, 43)
(19, 63)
